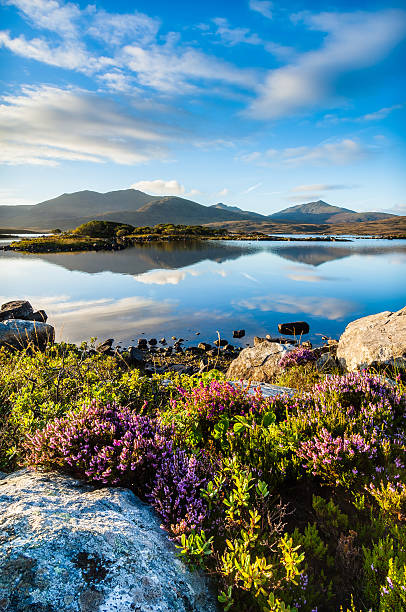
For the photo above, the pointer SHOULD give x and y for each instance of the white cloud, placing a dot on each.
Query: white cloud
(252, 188)
(320, 187)
(45, 125)
(162, 277)
(338, 153)
(70, 55)
(234, 36)
(50, 15)
(160, 187)
(78, 320)
(170, 69)
(354, 41)
(329, 308)
(382, 113)
(264, 7)
(223, 192)
(115, 28)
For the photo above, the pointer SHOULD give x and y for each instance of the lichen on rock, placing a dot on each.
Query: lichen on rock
(70, 547)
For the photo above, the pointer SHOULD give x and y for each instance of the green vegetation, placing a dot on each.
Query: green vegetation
(108, 235)
(103, 229)
(288, 503)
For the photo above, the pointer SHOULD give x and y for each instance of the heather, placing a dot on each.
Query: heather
(288, 503)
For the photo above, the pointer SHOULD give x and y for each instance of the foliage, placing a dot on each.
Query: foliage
(289, 503)
(298, 357)
(103, 229)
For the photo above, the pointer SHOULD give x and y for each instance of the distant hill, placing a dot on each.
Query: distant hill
(321, 212)
(137, 208)
(245, 213)
(125, 206)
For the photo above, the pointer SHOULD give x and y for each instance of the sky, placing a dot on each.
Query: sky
(252, 103)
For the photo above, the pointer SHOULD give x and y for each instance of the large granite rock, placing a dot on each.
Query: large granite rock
(259, 363)
(68, 547)
(19, 334)
(378, 339)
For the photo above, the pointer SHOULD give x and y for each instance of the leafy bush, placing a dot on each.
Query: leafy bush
(291, 503)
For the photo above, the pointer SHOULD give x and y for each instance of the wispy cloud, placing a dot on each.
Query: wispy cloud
(382, 113)
(233, 36)
(329, 308)
(252, 188)
(264, 7)
(46, 125)
(341, 152)
(320, 187)
(353, 41)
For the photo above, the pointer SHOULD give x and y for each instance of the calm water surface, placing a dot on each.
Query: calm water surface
(180, 289)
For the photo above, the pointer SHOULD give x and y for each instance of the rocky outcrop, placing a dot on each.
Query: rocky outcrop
(68, 547)
(19, 334)
(18, 309)
(258, 363)
(378, 339)
(21, 309)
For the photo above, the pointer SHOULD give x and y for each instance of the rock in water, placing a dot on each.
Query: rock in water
(18, 309)
(259, 363)
(19, 334)
(378, 339)
(68, 547)
(297, 328)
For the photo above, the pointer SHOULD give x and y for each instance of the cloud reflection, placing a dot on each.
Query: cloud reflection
(327, 307)
(78, 320)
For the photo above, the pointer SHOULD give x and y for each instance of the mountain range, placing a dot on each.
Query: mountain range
(137, 208)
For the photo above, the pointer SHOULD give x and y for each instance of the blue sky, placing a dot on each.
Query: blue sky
(250, 102)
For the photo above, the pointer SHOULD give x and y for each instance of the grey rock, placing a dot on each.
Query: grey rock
(17, 309)
(378, 339)
(19, 334)
(266, 389)
(259, 363)
(68, 547)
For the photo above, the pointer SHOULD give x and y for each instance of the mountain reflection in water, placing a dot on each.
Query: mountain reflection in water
(186, 287)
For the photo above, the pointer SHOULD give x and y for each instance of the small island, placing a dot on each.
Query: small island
(113, 236)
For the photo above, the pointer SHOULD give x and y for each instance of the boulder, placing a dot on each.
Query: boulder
(134, 357)
(19, 334)
(297, 328)
(221, 342)
(259, 363)
(18, 309)
(204, 346)
(105, 347)
(375, 340)
(40, 315)
(70, 547)
(239, 333)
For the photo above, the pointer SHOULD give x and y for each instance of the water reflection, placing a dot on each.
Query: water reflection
(184, 288)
